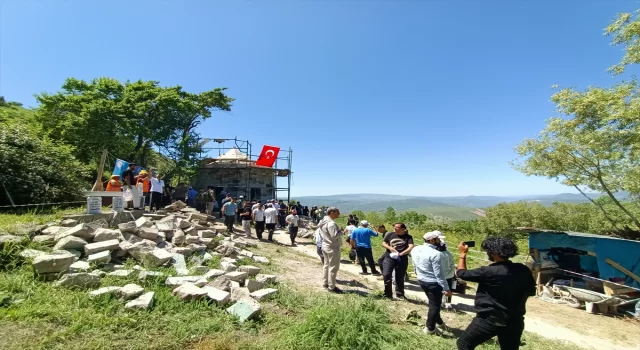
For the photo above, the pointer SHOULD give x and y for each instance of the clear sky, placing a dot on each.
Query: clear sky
(422, 97)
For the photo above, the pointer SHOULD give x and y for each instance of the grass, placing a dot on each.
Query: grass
(42, 316)
(9, 222)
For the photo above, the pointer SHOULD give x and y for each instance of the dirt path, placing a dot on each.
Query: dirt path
(551, 321)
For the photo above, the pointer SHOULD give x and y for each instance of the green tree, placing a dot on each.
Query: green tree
(129, 119)
(37, 170)
(390, 215)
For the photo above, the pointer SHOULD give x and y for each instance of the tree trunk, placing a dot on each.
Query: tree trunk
(616, 202)
(139, 143)
(145, 152)
(604, 212)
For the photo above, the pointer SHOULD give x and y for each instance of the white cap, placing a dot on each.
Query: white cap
(364, 223)
(433, 234)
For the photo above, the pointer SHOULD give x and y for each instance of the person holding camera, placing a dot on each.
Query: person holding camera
(503, 290)
(429, 264)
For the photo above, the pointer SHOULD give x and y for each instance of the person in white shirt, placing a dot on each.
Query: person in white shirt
(157, 188)
(292, 221)
(347, 232)
(270, 220)
(255, 206)
(258, 218)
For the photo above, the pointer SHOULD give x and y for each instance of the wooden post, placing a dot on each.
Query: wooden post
(536, 269)
(98, 185)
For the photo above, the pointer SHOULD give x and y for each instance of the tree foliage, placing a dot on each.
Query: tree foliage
(130, 119)
(596, 144)
(37, 170)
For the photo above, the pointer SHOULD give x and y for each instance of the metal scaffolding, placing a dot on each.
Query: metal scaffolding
(244, 146)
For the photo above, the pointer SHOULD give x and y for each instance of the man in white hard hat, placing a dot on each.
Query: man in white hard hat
(429, 264)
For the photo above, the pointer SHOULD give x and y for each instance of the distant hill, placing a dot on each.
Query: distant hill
(457, 208)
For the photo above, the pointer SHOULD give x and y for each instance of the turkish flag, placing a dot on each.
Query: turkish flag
(268, 156)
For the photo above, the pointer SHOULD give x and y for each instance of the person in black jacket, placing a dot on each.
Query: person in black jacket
(503, 290)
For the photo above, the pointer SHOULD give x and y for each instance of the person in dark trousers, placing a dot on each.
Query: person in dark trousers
(282, 213)
(258, 218)
(503, 290)
(230, 210)
(293, 221)
(361, 241)
(429, 264)
(270, 219)
(382, 231)
(398, 244)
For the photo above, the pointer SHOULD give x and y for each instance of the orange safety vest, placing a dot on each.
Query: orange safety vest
(146, 184)
(114, 186)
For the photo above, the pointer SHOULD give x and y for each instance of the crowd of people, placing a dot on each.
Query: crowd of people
(503, 287)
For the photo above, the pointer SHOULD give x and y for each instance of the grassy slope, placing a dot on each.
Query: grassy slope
(43, 316)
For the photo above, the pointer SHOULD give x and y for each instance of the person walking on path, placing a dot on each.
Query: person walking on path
(258, 218)
(331, 243)
(501, 297)
(246, 219)
(282, 213)
(361, 241)
(318, 239)
(429, 261)
(270, 219)
(347, 232)
(293, 221)
(449, 267)
(230, 209)
(398, 244)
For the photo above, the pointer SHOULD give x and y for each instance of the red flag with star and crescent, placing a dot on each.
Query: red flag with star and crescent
(268, 156)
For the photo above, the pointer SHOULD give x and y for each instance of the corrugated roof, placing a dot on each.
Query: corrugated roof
(571, 233)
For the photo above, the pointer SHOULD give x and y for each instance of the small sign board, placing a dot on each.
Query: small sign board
(118, 204)
(94, 205)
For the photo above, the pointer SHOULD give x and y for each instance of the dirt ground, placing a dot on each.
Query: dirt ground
(558, 322)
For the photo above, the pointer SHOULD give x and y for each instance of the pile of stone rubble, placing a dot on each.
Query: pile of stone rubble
(87, 248)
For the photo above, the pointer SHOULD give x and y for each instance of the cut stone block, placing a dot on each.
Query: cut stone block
(250, 270)
(142, 302)
(261, 259)
(128, 227)
(31, 253)
(97, 247)
(237, 276)
(68, 223)
(165, 226)
(207, 234)
(103, 234)
(209, 242)
(192, 240)
(131, 238)
(76, 254)
(80, 266)
(53, 263)
(189, 291)
(219, 228)
(83, 231)
(212, 274)
(149, 254)
(118, 218)
(52, 230)
(120, 273)
(130, 291)
(143, 275)
(227, 266)
(220, 297)
(191, 231)
(253, 285)
(263, 293)
(229, 260)
(246, 253)
(79, 280)
(104, 291)
(222, 283)
(182, 250)
(197, 217)
(44, 239)
(123, 249)
(143, 221)
(102, 257)
(245, 309)
(239, 293)
(199, 270)
(150, 233)
(70, 242)
(178, 236)
(179, 264)
(183, 224)
(266, 279)
(178, 281)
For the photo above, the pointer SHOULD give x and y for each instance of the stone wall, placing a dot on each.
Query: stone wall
(238, 180)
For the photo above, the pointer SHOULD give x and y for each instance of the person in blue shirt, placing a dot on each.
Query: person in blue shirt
(361, 241)
(191, 197)
(229, 210)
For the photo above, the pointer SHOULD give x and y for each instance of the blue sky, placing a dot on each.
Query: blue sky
(403, 97)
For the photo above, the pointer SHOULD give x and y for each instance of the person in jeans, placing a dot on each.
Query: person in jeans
(428, 261)
(292, 221)
(270, 219)
(230, 209)
(331, 243)
(503, 290)
(258, 218)
(246, 218)
(398, 244)
(361, 241)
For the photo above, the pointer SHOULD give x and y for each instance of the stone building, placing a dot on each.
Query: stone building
(235, 173)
